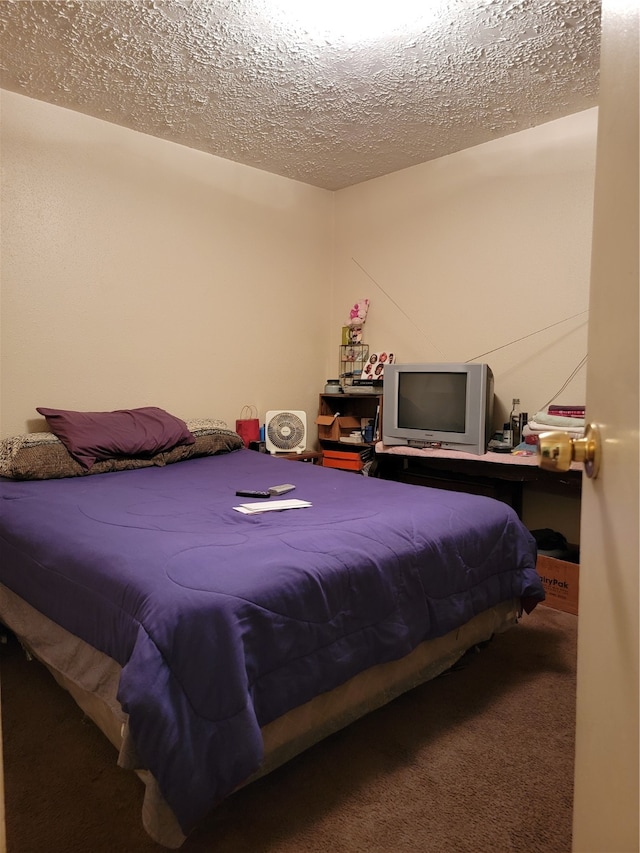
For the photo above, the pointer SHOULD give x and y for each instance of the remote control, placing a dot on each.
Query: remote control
(281, 490)
(252, 493)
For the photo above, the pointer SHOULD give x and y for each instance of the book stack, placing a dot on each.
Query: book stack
(567, 411)
(354, 437)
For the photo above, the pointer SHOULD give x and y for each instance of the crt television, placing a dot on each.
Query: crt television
(449, 406)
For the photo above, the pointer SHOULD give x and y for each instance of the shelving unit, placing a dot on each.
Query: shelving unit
(338, 416)
(352, 359)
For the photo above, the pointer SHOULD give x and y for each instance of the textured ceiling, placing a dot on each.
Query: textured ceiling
(240, 80)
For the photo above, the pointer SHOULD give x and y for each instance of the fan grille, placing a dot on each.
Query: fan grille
(286, 431)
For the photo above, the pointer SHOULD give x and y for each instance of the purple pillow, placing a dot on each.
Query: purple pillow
(89, 436)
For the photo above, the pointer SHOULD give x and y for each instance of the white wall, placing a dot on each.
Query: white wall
(139, 272)
(462, 255)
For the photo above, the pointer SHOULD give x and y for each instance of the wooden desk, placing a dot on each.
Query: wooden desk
(496, 475)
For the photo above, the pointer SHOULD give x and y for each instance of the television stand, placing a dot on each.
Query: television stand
(495, 475)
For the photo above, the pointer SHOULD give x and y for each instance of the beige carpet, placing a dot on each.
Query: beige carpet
(478, 761)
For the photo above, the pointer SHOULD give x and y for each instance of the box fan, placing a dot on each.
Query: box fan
(285, 432)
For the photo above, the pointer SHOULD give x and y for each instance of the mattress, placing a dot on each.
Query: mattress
(222, 623)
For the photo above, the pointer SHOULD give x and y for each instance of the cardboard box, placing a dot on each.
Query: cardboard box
(560, 581)
(348, 461)
(331, 427)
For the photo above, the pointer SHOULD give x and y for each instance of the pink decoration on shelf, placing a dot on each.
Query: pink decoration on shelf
(358, 313)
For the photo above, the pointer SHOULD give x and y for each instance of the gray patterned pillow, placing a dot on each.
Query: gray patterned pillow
(42, 456)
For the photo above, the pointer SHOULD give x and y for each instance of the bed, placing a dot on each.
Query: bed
(211, 646)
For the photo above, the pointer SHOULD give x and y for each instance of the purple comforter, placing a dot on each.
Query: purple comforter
(222, 621)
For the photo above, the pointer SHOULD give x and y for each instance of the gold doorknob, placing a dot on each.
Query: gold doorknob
(557, 450)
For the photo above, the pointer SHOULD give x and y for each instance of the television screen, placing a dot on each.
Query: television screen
(432, 401)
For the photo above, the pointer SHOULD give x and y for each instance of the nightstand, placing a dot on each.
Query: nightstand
(312, 456)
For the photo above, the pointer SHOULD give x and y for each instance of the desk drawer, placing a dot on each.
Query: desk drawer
(348, 461)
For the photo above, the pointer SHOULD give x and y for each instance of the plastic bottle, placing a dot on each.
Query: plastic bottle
(514, 422)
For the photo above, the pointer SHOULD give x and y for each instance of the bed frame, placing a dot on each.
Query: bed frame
(92, 677)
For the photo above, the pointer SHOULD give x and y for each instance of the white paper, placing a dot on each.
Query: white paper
(271, 506)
